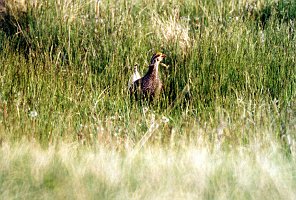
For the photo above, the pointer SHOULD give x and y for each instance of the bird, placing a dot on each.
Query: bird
(135, 76)
(149, 86)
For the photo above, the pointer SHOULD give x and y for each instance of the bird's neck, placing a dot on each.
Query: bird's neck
(153, 69)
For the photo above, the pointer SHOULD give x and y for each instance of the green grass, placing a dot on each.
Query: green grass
(230, 85)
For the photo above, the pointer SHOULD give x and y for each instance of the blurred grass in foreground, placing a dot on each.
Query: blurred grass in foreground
(70, 170)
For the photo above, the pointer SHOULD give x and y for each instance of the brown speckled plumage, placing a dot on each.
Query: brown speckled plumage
(150, 85)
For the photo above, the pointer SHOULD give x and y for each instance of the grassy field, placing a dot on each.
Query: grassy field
(224, 128)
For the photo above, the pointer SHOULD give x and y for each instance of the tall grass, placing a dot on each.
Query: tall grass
(70, 63)
(230, 86)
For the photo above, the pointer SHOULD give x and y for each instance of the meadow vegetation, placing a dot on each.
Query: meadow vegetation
(225, 126)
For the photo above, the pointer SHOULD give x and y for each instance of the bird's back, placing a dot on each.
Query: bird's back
(146, 86)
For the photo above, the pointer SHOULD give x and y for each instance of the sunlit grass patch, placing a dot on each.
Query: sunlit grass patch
(172, 30)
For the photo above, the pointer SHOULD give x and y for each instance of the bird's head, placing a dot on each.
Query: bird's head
(157, 57)
(136, 66)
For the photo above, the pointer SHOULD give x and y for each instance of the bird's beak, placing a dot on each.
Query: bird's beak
(163, 55)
